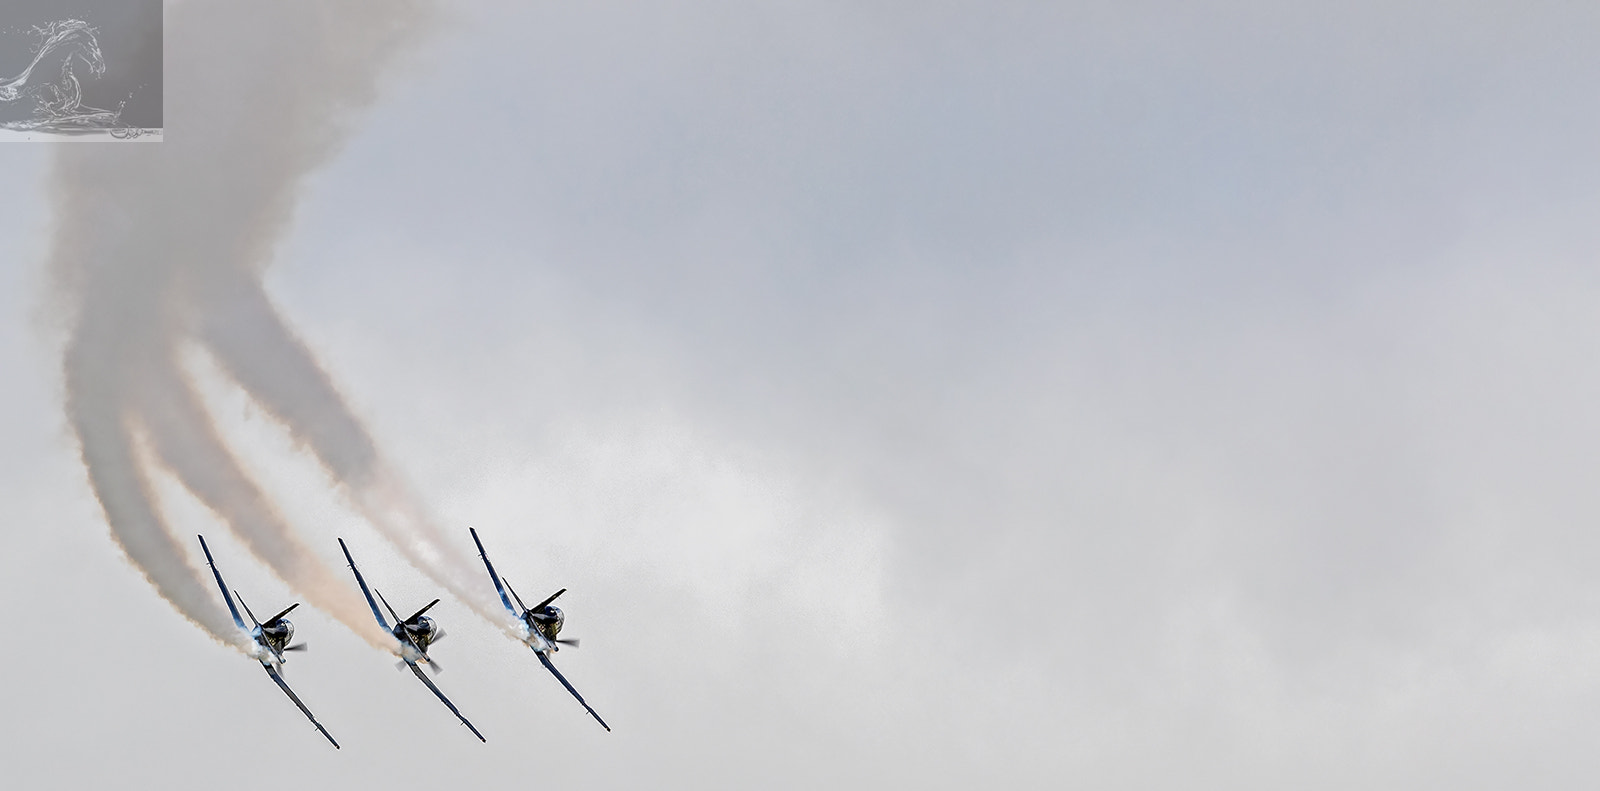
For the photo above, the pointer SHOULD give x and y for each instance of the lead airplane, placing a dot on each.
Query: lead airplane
(540, 625)
(268, 640)
(415, 634)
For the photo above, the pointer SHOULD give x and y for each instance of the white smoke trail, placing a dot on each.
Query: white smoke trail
(162, 245)
(249, 340)
(102, 364)
(124, 492)
(183, 438)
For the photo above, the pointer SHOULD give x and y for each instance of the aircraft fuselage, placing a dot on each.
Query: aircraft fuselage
(421, 634)
(275, 635)
(547, 621)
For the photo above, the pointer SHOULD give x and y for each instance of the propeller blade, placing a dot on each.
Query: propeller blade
(413, 619)
(552, 598)
(296, 647)
(437, 636)
(434, 666)
(286, 611)
(400, 664)
(564, 641)
(514, 594)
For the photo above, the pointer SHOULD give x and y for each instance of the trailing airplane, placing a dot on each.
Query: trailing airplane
(540, 626)
(414, 634)
(268, 640)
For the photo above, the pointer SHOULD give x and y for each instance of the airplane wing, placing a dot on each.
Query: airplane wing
(563, 679)
(363, 584)
(493, 576)
(271, 671)
(220, 584)
(452, 706)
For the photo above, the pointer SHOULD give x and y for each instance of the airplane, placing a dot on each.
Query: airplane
(540, 625)
(415, 635)
(268, 640)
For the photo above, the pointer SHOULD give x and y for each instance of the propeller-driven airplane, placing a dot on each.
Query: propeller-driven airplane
(415, 634)
(268, 640)
(540, 625)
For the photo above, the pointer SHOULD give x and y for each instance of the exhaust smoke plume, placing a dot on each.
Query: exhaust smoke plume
(160, 248)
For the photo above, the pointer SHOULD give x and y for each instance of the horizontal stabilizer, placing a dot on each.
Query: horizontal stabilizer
(418, 614)
(514, 595)
(386, 605)
(286, 611)
(246, 609)
(546, 602)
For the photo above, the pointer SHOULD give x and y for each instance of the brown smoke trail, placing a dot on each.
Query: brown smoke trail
(250, 341)
(187, 444)
(161, 246)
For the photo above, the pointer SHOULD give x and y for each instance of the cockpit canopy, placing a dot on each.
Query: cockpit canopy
(423, 631)
(548, 620)
(278, 632)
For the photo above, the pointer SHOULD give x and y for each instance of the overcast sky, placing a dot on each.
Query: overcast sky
(1110, 394)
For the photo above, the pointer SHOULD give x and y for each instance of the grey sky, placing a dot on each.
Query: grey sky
(1132, 395)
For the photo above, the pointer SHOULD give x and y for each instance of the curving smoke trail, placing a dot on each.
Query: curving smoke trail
(161, 247)
(249, 340)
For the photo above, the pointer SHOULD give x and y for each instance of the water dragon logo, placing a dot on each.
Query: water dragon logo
(48, 96)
